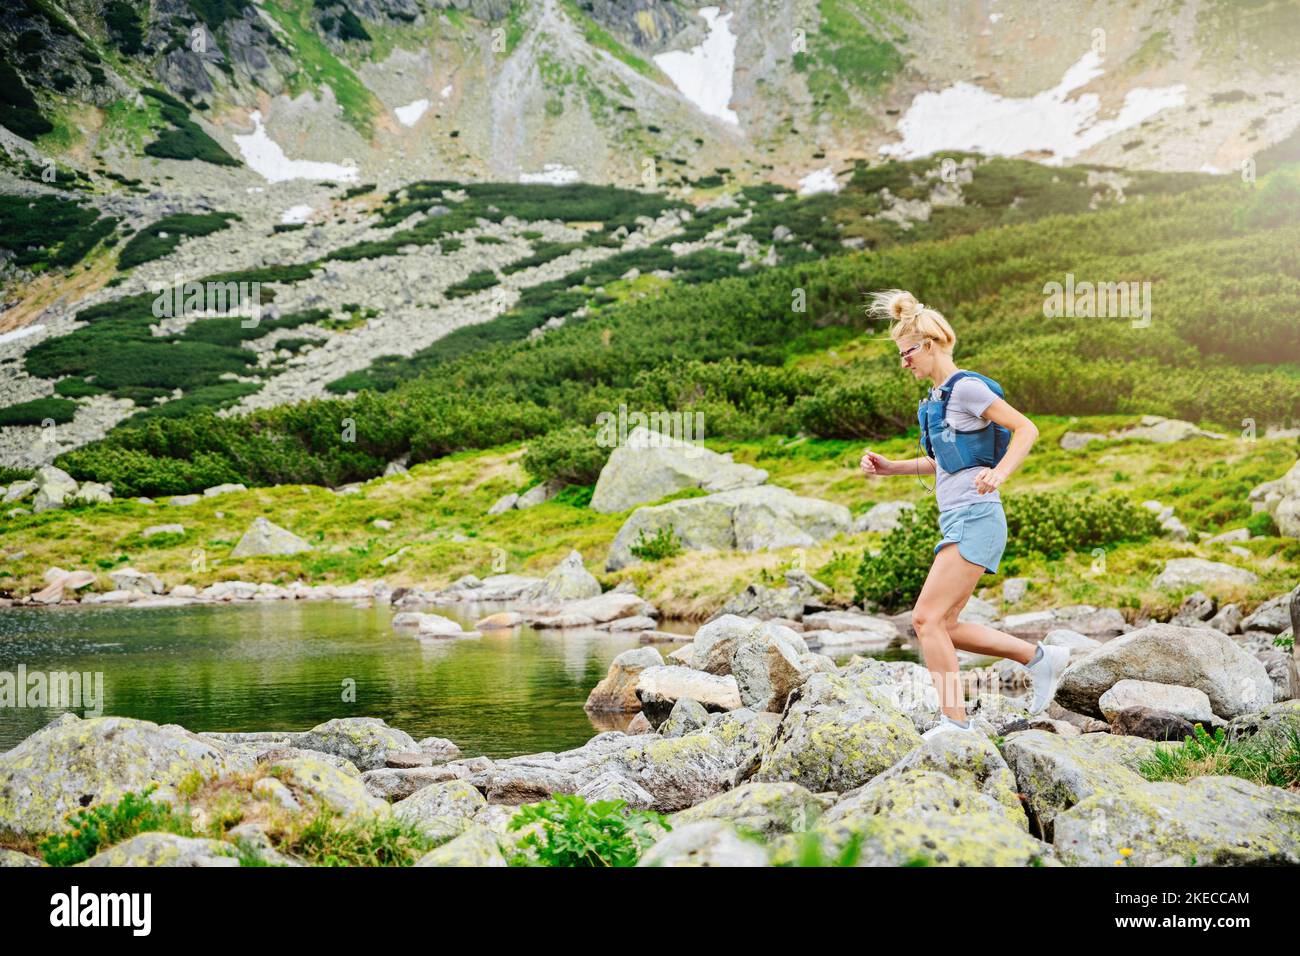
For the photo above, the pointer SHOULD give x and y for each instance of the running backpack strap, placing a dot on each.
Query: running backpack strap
(945, 393)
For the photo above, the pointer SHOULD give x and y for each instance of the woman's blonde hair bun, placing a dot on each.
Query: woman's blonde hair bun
(910, 319)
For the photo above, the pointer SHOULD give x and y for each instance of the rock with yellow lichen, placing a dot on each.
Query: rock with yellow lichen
(366, 741)
(441, 810)
(969, 760)
(71, 764)
(476, 846)
(770, 809)
(1054, 772)
(836, 734)
(1208, 821)
(166, 849)
(933, 821)
(326, 785)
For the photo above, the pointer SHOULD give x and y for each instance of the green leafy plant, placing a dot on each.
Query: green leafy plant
(662, 544)
(98, 828)
(573, 832)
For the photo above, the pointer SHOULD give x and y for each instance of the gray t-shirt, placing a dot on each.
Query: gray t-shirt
(966, 405)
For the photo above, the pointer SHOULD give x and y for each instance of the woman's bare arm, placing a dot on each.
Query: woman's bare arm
(1023, 435)
(914, 466)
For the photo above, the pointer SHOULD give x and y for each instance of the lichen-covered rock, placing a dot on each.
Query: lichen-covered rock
(12, 858)
(398, 783)
(366, 741)
(836, 734)
(70, 764)
(744, 520)
(613, 785)
(1054, 772)
(476, 846)
(686, 717)
(273, 791)
(1200, 657)
(907, 685)
(704, 843)
(768, 665)
(1208, 821)
(1270, 728)
(441, 810)
(973, 762)
(166, 849)
(680, 772)
(323, 783)
(616, 693)
(766, 808)
(650, 466)
(923, 816)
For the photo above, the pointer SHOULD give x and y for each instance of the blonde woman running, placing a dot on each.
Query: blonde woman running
(970, 457)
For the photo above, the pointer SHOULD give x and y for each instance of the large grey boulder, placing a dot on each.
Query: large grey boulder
(441, 810)
(326, 785)
(767, 808)
(366, 741)
(1199, 657)
(836, 734)
(650, 466)
(1197, 572)
(54, 487)
(1054, 772)
(71, 764)
(1187, 702)
(1208, 821)
(670, 683)
(769, 662)
(1165, 431)
(167, 849)
(920, 815)
(477, 846)
(680, 772)
(745, 520)
(567, 581)
(265, 538)
(715, 644)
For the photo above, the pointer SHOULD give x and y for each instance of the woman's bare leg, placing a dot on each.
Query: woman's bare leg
(948, 586)
(982, 639)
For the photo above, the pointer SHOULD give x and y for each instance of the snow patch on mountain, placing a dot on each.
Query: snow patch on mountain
(264, 156)
(968, 117)
(704, 74)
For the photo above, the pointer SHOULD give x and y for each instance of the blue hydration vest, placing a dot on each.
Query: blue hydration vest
(954, 449)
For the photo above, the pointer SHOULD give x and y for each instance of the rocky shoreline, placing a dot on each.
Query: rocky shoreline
(744, 732)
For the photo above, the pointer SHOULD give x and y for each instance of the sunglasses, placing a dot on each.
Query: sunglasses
(906, 352)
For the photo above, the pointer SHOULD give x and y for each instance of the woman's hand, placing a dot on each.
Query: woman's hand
(988, 480)
(874, 466)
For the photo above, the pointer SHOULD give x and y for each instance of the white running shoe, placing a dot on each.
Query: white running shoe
(947, 725)
(1046, 675)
